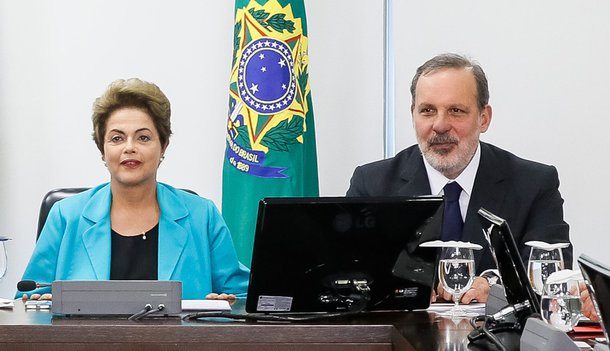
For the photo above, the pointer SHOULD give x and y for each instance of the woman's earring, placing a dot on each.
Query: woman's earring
(105, 164)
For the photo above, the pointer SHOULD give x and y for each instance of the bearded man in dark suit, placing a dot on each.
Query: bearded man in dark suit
(450, 109)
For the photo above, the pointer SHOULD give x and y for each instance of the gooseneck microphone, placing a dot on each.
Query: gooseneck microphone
(29, 285)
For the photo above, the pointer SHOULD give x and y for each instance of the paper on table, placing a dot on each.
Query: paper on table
(441, 307)
(546, 246)
(206, 305)
(452, 243)
(6, 303)
(564, 276)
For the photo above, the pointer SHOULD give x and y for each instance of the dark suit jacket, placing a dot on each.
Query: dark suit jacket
(524, 193)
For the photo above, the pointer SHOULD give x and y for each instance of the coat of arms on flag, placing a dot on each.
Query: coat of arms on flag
(268, 88)
(270, 141)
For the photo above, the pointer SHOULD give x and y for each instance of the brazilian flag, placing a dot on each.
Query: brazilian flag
(270, 142)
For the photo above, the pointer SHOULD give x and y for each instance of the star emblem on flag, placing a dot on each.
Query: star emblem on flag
(266, 80)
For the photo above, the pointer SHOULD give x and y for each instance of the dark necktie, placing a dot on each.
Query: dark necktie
(452, 220)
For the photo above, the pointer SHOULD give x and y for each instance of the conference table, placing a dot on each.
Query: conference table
(22, 329)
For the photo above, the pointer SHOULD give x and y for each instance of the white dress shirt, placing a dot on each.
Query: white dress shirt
(465, 180)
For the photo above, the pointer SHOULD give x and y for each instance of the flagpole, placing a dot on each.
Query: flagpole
(388, 82)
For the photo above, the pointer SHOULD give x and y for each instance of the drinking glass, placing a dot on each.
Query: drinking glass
(2, 259)
(561, 305)
(541, 264)
(456, 272)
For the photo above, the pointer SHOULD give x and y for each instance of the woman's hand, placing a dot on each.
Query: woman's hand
(229, 297)
(39, 297)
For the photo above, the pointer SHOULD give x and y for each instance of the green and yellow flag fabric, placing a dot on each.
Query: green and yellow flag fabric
(270, 142)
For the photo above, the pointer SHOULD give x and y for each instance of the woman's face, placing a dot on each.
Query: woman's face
(132, 148)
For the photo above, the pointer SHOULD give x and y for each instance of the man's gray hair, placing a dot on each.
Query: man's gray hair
(451, 60)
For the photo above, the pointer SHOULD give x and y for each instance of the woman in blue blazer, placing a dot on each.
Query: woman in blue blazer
(135, 227)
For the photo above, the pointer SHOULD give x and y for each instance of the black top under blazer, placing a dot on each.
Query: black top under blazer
(524, 193)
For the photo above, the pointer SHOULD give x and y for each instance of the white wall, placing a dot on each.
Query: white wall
(57, 56)
(548, 66)
(546, 62)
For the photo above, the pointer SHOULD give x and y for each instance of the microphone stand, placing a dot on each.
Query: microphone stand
(496, 323)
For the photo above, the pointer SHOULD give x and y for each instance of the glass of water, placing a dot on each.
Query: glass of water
(3, 258)
(561, 305)
(456, 272)
(541, 264)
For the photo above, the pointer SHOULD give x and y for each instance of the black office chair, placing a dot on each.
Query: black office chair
(57, 194)
(49, 199)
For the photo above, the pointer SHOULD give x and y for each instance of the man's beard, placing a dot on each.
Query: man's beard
(449, 161)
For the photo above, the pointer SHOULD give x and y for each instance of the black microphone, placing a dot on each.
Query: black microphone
(29, 285)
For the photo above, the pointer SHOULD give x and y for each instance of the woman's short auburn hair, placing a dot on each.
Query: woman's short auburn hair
(134, 93)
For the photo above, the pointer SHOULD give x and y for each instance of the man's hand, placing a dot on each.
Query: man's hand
(587, 309)
(479, 291)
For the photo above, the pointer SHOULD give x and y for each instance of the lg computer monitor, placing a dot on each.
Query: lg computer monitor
(597, 276)
(510, 265)
(338, 254)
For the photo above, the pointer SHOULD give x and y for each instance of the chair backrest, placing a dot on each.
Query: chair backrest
(57, 194)
(49, 199)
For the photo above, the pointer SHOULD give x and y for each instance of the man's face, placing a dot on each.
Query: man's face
(447, 119)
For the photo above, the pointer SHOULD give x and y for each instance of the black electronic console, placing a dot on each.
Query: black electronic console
(520, 296)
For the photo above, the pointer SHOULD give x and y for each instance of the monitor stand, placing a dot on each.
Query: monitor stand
(501, 316)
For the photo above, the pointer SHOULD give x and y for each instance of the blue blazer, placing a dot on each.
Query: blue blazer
(195, 245)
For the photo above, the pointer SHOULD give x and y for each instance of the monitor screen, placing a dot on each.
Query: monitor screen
(510, 265)
(339, 254)
(597, 276)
